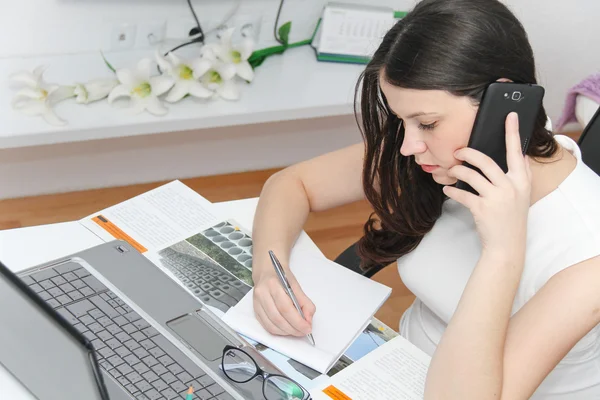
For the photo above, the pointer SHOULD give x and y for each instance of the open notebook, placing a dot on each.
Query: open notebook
(345, 303)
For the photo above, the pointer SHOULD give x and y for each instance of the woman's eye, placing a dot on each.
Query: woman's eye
(427, 127)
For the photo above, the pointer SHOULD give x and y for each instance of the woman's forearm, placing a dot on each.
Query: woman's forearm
(282, 211)
(468, 363)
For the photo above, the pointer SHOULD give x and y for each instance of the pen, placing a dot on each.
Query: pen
(288, 288)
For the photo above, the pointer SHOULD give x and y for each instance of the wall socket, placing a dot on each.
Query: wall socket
(122, 36)
(179, 28)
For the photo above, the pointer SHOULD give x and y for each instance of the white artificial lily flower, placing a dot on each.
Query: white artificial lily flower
(217, 76)
(94, 90)
(142, 89)
(236, 54)
(38, 97)
(185, 75)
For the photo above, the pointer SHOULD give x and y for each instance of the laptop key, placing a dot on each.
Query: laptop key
(67, 315)
(203, 394)
(104, 335)
(54, 291)
(47, 284)
(169, 378)
(122, 351)
(139, 337)
(81, 272)
(141, 324)
(37, 288)
(129, 328)
(135, 347)
(106, 352)
(132, 316)
(123, 380)
(68, 267)
(175, 368)
(64, 299)
(80, 308)
(134, 377)
(150, 376)
(143, 386)
(156, 352)
(121, 321)
(148, 344)
(169, 394)
(94, 283)
(44, 274)
(58, 280)
(104, 306)
(67, 287)
(115, 360)
(159, 369)
(166, 360)
(153, 394)
(178, 386)
(27, 280)
(150, 332)
(184, 377)
(205, 381)
(215, 389)
(131, 389)
(69, 276)
(123, 337)
(86, 291)
(178, 356)
(141, 368)
(160, 385)
(125, 369)
(78, 284)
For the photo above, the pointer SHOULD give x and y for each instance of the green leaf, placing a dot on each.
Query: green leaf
(108, 64)
(256, 61)
(284, 32)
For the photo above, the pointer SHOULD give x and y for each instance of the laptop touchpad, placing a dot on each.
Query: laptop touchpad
(200, 336)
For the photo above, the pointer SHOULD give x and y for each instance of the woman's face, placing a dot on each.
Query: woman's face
(436, 124)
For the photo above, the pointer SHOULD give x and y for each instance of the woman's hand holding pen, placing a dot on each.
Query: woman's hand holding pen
(274, 308)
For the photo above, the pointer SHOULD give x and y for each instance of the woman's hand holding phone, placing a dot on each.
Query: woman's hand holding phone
(501, 209)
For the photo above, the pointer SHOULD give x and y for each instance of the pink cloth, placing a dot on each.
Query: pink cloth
(589, 87)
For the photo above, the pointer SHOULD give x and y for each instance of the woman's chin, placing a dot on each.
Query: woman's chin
(444, 179)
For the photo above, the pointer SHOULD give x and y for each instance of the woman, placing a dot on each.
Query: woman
(508, 300)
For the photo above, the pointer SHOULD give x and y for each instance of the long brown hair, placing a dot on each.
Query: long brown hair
(459, 46)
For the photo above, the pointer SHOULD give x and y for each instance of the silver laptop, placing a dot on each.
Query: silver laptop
(150, 338)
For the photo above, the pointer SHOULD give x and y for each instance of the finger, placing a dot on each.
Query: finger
(308, 307)
(485, 164)
(472, 177)
(514, 151)
(528, 167)
(265, 321)
(463, 197)
(298, 326)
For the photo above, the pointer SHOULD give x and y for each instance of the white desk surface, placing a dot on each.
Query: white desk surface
(25, 247)
(290, 86)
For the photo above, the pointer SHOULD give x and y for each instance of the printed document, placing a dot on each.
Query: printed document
(394, 371)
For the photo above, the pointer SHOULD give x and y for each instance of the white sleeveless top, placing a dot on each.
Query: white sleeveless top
(563, 230)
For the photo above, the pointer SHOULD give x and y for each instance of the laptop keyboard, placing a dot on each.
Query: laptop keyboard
(141, 359)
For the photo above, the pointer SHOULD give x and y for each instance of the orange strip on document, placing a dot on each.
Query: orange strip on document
(335, 393)
(117, 232)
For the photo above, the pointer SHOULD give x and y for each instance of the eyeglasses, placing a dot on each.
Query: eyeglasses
(240, 367)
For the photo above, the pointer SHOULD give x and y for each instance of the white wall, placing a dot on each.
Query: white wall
(562, 33)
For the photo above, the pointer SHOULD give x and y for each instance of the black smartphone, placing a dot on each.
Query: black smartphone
(489, 129)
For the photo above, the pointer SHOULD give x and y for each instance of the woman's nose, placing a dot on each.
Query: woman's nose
(412, 143)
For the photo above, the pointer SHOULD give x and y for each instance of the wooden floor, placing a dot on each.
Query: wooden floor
(333, 231)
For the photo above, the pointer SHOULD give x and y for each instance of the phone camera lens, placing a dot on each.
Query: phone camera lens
(506, 95)
(516, 96)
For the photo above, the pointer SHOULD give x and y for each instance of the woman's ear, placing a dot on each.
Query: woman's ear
(503, 80)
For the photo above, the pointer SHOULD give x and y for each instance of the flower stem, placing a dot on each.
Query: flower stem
(108, 64)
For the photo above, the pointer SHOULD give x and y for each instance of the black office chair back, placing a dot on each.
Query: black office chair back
(589, 143)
